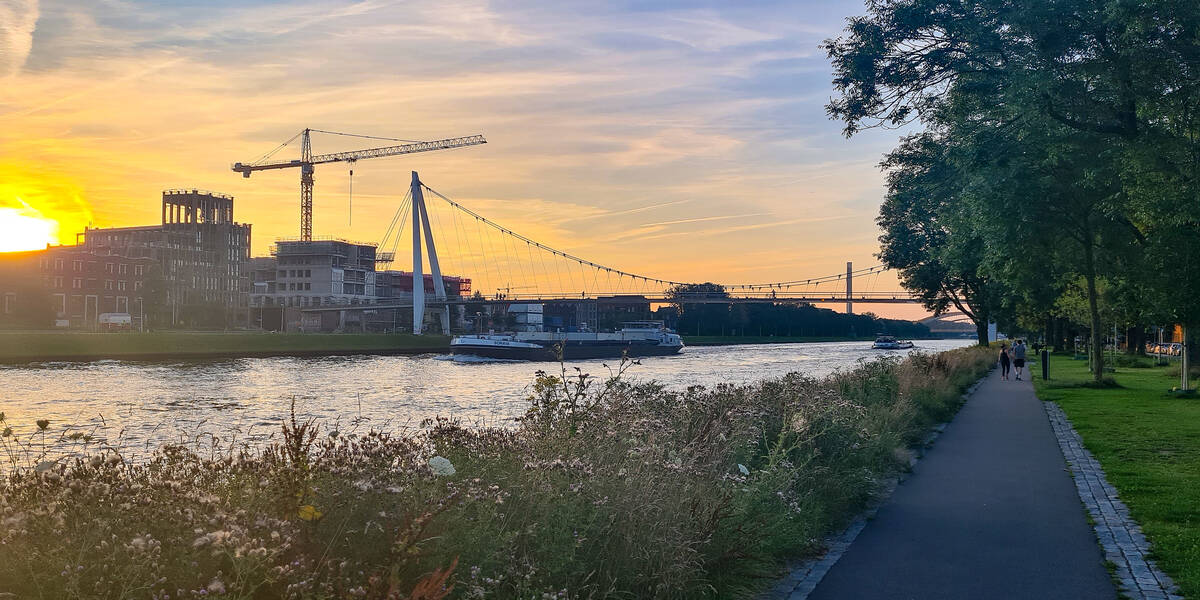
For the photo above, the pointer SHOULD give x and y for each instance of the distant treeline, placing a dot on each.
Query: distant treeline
(716, 318)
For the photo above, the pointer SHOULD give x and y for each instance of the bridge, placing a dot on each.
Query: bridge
(523, 270)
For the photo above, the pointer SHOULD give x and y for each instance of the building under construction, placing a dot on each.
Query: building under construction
(202, 254)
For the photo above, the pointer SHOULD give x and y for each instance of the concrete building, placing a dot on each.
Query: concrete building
(303, 275)
(202, 256)
(315, 273)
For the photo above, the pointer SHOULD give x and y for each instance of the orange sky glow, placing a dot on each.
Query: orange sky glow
(680, 143)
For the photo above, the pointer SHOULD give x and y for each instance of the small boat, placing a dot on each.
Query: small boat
(634, 339)
(887, 342)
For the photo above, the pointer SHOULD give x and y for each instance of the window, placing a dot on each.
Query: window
(137, 285)
(137, 269)
(108, 284)
(10, 303)
(58, 282)
(58, 264)
(109, 268)
(121, 287)
(122, 304)
(77, 283)
(282, 273)
(77, 265)
(123, 269)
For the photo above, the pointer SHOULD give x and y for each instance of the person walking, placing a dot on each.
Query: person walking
(1004, 361)
(1018, 351)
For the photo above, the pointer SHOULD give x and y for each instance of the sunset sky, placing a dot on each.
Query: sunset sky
(679, 140)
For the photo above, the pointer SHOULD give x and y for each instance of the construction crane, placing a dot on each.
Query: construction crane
(307, 161)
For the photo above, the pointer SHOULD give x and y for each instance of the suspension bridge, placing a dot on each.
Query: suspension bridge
(521, 269)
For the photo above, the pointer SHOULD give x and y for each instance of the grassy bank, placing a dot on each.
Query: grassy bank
(53, 345)
(605, 489)
(1149, 445)
(729, 340)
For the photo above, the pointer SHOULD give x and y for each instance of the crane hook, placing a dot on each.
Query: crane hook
(350, 200)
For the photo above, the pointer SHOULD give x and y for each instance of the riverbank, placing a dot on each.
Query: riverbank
(733, 340)
(1148, 442)
(19, 347)
(605, 488)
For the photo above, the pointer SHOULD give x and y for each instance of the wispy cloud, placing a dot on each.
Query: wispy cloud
(18, 19)
(703, 219)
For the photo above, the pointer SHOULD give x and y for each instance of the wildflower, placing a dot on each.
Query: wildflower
(441, 465)
(309, 512)
(43, 424)
(216, 586)
(7, 432)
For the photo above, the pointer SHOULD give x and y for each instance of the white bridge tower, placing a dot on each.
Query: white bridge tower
(420, 224)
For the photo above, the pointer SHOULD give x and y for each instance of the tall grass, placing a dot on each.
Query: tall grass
(605, 489)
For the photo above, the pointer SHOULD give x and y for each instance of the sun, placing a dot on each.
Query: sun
(25, 229)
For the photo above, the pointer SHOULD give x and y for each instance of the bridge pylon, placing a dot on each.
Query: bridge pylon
(420, 224)
(849, 288)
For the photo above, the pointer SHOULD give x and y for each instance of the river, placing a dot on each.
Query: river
(141, 405)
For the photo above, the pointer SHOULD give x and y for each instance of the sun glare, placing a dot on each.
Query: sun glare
(25, 229)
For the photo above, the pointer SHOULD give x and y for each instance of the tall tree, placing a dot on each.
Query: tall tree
(926, 236)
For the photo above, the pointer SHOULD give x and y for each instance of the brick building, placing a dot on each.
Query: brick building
(70, 286)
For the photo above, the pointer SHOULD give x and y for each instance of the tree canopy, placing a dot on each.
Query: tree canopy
(1056, 159)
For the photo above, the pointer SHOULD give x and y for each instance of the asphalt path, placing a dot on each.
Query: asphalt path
(989, 512)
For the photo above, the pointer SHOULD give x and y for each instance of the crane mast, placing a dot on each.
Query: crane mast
(308, 160)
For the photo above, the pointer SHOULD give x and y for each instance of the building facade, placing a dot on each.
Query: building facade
(303, 275)
(202, 257)
(72, 287)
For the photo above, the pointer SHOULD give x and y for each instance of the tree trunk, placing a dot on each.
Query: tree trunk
(1135, 340)
(981, 332)
(1048, 334)
(1097, 350)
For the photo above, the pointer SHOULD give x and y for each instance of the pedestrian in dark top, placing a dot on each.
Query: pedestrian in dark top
(1004, 361)
(1018, 352)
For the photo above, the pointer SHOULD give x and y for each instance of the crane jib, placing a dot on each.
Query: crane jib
(354, 155)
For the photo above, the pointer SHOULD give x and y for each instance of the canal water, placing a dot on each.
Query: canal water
(140, 405)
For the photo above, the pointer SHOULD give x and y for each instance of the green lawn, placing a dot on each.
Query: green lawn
(16, 346)
(1149, 445)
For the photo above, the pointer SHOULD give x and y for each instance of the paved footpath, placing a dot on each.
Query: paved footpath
(990, 512)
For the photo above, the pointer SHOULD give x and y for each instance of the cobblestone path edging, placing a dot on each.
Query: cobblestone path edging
(1120, 536)
(803, 577)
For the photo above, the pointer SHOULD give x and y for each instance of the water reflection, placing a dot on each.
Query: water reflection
(144, 404)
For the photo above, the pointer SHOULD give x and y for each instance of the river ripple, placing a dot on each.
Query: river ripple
(141, 405)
